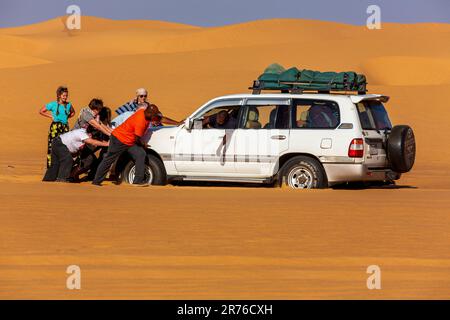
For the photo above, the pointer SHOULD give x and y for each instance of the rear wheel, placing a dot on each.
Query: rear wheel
(303, 172)
(155, 173)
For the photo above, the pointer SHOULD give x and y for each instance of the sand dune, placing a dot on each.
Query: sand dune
(20, 45)
(298, 39)
(408, 71)
(18, 51)
(184, 66)
(98, 38)
(95, 24)
(10, 60)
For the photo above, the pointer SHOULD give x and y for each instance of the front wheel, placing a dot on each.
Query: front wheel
(303, 173)
(155, 173)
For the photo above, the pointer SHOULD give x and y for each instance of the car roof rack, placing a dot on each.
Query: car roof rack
(300, 88)
(293, 80)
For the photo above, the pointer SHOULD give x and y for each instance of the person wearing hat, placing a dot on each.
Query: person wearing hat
(131, 106)
(125, 111)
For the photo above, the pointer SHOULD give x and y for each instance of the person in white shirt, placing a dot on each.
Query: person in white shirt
(63, 149)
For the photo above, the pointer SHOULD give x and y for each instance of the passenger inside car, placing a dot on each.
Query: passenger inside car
(220, 120)
(278, 118)
(321, 116)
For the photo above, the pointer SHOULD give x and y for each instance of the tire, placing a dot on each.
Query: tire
(303, 172)
(155, 171)
(401, 148)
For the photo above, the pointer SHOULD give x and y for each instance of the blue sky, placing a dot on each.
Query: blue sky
(221, 12)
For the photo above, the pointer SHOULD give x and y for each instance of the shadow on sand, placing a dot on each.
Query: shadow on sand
(366, 186)
(343, 186)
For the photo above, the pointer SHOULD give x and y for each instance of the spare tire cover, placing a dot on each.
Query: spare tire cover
(401, 148)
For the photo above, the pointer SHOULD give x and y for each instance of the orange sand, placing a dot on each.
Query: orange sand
(277, 243)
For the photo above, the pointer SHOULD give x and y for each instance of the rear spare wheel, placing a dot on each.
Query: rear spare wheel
(401, 148)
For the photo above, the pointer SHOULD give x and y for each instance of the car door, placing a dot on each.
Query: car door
(313, 130)
(375, 124)
(262, 136)
(207, 151)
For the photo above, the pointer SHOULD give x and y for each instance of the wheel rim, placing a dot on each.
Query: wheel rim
(300, 177)
(148, 174)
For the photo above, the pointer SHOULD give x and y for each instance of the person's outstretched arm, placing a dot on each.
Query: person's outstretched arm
(45, 113)
(100, 127)
(169, 121)
(96, 143)
(72, 111)
(107, 128)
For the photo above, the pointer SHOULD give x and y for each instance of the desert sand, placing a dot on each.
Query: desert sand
(187, 242)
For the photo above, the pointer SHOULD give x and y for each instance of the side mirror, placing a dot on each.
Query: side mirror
(188, 123)
(198, 124)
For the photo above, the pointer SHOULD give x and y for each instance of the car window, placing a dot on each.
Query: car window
(265, 117)
(316, 114)
(373, 115)
(224, 117)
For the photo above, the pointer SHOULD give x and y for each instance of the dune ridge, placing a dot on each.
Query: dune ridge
(102, 38)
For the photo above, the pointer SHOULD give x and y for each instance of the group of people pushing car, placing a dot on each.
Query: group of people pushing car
(71, 153)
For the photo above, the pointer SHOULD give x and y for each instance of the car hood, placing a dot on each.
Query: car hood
(159, 133)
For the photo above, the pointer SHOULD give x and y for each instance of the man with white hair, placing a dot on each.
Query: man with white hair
(125, 111)
(141, 97)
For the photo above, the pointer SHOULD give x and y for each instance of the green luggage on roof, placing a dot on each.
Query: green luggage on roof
(272, 73)
(290, 75)
(275, 77)
(275, 68)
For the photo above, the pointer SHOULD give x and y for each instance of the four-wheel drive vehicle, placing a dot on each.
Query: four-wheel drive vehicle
(300, 140)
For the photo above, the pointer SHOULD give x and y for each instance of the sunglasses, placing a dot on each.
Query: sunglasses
(142, 96)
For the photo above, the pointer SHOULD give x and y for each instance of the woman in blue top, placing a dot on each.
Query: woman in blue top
(59, 111)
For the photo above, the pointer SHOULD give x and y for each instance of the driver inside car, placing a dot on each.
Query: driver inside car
(220, 120)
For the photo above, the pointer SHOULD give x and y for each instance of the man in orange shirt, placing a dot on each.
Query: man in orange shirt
(127, 137)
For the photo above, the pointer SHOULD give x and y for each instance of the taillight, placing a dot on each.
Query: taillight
(356, 148)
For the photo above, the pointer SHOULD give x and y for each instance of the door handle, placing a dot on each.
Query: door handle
(278, 137)
(221, 137)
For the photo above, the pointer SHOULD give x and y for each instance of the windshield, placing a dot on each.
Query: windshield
(373, 115)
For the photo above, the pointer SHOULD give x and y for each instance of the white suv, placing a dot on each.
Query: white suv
(298, 140)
